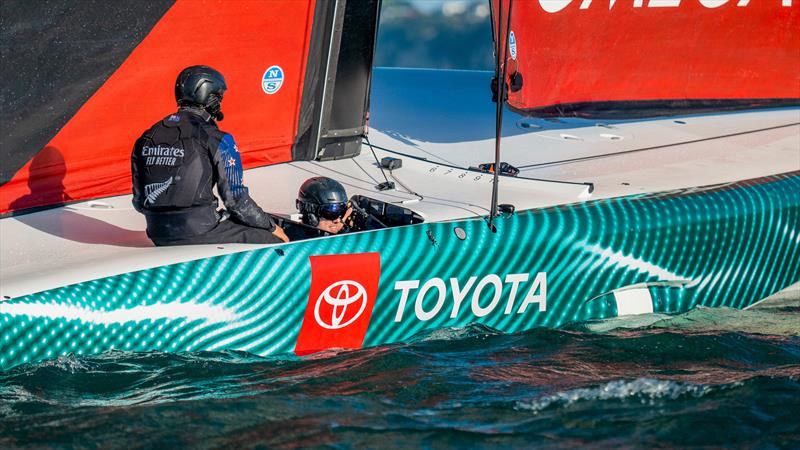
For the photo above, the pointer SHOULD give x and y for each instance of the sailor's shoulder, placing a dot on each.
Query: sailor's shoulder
(188, 117)
(212, 135)
(149, 131)
(174, 119)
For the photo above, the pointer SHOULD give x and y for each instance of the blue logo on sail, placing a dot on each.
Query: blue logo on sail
(272, 80)
(512, 45)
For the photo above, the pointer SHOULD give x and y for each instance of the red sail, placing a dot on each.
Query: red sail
(596, 56)
(85, 79)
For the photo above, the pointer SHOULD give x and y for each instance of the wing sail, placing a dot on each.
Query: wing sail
(80, 95)
(652, 57)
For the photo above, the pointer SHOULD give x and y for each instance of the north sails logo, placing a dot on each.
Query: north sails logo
(272, 80)
(152, 191)
(512, 45)
(339, 301)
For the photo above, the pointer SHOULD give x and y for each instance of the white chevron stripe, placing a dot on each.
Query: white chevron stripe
(172, 311)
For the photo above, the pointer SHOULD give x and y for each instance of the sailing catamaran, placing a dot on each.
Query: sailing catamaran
(657, 143)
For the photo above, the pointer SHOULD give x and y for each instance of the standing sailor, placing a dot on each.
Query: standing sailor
(176, 163)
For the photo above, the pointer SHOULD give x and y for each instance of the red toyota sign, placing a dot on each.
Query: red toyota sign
(340, 301)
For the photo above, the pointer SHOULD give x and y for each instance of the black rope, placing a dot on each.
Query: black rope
(454, 166)
(655, 147)
(500, 76)
(376, 158)
(408, 190)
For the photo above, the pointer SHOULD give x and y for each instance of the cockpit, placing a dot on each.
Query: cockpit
(367, 214)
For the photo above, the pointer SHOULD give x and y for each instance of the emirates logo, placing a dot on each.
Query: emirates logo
(340, 304)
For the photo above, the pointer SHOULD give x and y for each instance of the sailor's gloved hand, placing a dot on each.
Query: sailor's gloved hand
(335, 226)
(357, 219)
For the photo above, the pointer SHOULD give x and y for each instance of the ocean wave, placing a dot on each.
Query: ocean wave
(646, 390)
(67, 363)
(777, 318)
(455, 333)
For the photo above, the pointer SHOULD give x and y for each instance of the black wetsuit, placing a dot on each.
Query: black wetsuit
(175, 164)
(300, 231)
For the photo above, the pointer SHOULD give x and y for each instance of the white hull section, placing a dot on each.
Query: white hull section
(443, 131)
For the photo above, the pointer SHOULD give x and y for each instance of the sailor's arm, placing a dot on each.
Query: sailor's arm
(235, 196)
(137, 192)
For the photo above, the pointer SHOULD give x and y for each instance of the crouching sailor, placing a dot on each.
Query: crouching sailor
(323, 204)
(176, 163)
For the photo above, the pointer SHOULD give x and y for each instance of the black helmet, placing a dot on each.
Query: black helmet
(201, 86)
(321, 197)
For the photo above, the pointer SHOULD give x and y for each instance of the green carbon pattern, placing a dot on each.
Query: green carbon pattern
(731, 245)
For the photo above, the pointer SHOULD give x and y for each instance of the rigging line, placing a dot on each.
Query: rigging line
(391, 173)
(421, 197)
(410, 143)
(345, 182)
(491, 21)
(365, 171)
(404, 186)
(376, 158)
(454, 166)
(432, 155)
(400, 199)
(501, 84)
(655, 147)
(498, 108)
(412, 192)
(443, 202)
(451, 203)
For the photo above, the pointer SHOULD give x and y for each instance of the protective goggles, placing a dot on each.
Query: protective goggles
(332, 211)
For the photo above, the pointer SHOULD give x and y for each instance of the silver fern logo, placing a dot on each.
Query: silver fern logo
(152, 191)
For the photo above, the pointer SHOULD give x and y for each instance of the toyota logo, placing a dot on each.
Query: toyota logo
(340, 296)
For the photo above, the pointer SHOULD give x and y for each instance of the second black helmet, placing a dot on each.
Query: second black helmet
(318, 193)
(201, 86)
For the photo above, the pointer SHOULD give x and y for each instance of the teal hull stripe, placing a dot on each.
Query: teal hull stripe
(722, 246)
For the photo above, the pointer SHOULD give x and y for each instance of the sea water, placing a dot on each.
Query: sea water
(709, 377)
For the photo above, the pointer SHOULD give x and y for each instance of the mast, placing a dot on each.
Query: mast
(501, 47)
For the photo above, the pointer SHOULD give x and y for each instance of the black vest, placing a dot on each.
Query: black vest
(172, 174)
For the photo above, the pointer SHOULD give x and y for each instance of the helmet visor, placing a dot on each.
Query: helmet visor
(332, 211)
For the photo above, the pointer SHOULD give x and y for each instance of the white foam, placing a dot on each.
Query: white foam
(645, 389)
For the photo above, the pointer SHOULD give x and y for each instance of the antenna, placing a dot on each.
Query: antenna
(500, 76)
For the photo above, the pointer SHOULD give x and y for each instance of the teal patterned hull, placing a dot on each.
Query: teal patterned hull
(722, 246)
